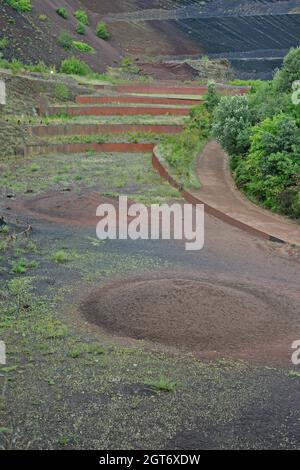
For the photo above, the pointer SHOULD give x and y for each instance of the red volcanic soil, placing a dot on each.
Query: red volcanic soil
(64, 207)
(212, 317)
(168, 71)
(215, 318)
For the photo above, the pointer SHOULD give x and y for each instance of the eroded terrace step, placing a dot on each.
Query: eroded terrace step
(95, 99)
(91, 129)
(69, 148)
(116, 110)
(173, 90)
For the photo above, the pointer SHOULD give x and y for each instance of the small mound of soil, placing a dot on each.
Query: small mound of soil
(192, 315)
(65, 207)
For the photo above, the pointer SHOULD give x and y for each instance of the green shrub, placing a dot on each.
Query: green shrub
(232, 124)
(211, 98)
(22, 6)
(40, 67)
(65, 40)
(16, 66)
(34, 167)
(200, 119)
(266, 101)
(74, 66)
(43, 17)
(289, 71)
(80, 29)
(270, 172)
(261, 132)
(82, 16)
(128, 65)
(3, 43)
(62, 12)
(101, 31)
(60, 257)
(61, 92)
(83, 47)
(19, 267)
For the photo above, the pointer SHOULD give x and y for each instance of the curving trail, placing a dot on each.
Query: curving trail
(218, 190)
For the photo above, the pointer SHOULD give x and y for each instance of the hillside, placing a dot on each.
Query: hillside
(34, 36)
(253, 35)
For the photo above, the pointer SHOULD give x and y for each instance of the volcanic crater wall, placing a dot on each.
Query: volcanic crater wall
(254, 35)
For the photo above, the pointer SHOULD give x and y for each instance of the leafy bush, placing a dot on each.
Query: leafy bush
(80, 29)
(61, 92)
(270, 173)
(74, 66)
(65, 40)
(101, 31)
(62, 12)
(289, 71)
(200, 119)
(266, 101)
(212, 98)
(128, 65)
(233, 119)
(82, 16)
(262, 135)
(22, 6)
(83, 47)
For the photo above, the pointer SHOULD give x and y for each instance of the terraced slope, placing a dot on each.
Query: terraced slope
(136, 344)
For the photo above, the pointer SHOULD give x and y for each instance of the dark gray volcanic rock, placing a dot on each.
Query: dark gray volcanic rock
(254, 35)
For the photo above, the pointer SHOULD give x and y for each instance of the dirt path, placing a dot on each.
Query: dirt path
(218, 191)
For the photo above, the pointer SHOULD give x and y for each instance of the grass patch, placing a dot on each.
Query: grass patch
(62, 12)
(83, 47)
(101, 31)
(62, 257)
(120, 173)
(82, 16)
(294, 373)
(22, 6)
(3, 43)
(80, 29)
(82, 349)
(163, 385)
(4, 229)
(20, 266)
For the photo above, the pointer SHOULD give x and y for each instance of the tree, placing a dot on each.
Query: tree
(290, 71)
(232, 123)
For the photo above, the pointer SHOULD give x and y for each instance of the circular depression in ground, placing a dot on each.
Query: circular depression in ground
(193, 314)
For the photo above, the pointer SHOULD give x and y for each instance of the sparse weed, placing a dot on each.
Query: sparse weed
(163, 385)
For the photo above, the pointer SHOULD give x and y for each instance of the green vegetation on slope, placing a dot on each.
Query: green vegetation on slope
(180, 150)
(261, 133)
(22, 6)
